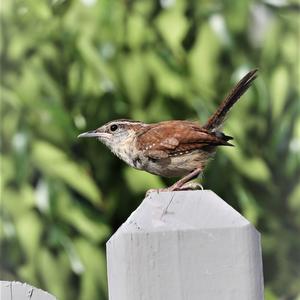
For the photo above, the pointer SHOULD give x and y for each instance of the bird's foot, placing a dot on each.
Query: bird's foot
(158, 191)
(187, 186)
(191, 186)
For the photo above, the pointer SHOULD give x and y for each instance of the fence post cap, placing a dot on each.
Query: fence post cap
(14, 290)
(183, 210)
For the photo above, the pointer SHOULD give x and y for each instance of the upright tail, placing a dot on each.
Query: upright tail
(216, 120)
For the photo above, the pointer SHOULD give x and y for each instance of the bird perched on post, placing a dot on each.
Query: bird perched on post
(175, 148)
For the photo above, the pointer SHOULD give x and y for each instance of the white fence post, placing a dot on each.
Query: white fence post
(187, 245)
(14, 290)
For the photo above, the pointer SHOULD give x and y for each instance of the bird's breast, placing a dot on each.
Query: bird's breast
(128, 154)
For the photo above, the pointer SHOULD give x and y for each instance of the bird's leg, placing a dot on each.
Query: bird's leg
(180, 184)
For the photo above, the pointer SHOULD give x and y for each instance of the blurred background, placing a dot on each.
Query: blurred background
(70, 66)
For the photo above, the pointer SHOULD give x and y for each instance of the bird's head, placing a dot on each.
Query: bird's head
(114, 133)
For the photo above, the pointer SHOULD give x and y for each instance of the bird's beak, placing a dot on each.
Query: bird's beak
(88, 134)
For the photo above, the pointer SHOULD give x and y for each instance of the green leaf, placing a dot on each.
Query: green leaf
(29, 231)
(167, 81)
(173, 25)
(294, 200)
(139, 181)
(254, 168)
(269, 295)
(74, 214)
(203, 61)
(55, 163)
(250, 207)
(237, 15)
(135, 77)
(6, 169)
(136, 31)
(279, 88)
(94, 279)
(54, 272)
(18, 202)
(27, 272)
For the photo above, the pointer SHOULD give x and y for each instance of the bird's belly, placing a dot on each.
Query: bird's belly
(176, 166)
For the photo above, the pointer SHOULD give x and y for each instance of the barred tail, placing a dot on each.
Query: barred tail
(218, 117)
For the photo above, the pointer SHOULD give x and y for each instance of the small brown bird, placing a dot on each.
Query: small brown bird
(171, 148)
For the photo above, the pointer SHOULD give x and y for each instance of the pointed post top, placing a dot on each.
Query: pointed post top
(186, 210)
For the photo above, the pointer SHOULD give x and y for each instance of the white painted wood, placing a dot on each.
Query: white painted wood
(187, 245)
(14, 290)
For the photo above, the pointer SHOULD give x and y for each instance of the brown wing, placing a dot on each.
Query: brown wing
(174, 138)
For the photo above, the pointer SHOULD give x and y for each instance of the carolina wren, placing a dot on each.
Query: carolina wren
(171, 148)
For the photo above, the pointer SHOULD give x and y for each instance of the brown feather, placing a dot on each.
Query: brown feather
(218, 117)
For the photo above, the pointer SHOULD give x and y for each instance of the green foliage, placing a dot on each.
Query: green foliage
(70, 66)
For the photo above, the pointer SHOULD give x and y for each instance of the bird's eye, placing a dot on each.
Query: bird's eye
(113, 127)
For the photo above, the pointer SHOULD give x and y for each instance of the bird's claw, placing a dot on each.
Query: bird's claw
(157, 191)
(187, 186)
(191, 186)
